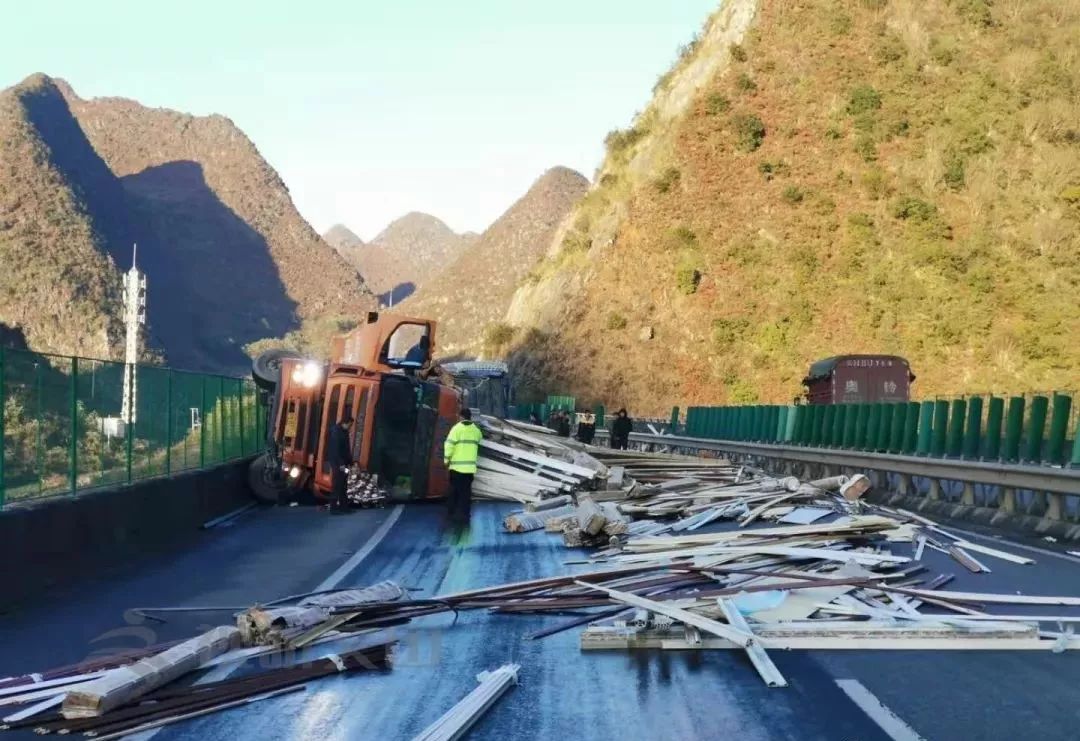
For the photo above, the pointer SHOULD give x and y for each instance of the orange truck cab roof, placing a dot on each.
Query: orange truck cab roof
(386, 343)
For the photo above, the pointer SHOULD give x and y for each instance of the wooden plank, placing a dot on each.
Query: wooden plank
(714, 627)
(1005, 556)
(122, 685)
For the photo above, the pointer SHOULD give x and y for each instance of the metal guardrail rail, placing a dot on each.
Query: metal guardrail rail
(1007, 476)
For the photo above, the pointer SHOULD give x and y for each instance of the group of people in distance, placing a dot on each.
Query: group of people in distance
(559, 421)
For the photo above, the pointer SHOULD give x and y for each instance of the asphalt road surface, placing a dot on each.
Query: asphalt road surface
(563, 693)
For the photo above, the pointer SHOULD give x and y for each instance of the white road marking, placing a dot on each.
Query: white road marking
(222, 672)
(887, 720)
(346, 568)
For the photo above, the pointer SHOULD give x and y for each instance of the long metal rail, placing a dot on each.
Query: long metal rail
(1007, 476)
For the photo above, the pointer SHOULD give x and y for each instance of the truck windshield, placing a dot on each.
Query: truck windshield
(408, 347)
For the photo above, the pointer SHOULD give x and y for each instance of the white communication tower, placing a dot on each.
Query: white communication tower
(134, 317)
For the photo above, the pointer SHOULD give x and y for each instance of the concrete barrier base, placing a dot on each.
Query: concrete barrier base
(1021, 524)
(59, 541)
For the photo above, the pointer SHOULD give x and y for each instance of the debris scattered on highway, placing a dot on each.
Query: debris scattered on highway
(825, 575)
(458, 719)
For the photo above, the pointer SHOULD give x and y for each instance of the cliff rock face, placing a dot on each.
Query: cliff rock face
(406, 255)
(59, 291)
(228, 258)
(471, 297)
(818, 178)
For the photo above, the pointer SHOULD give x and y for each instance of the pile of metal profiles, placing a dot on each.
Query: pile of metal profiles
(526, 464)
(118, 694)
(170, 705)
(789, 564)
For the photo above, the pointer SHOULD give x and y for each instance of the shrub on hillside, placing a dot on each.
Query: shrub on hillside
(909, 208)
(772, 169)
(874, 183)
(866, 147)
(683, 237)
(749, 131)
(615, 321)
(728, 331)
(744, 83)
(737, 52)
(668, 179)
(793, 194)
(497, 335)
(687, 278)
(954, 176)
(840, 23)
(889, 50)
(619, 140)
(863, 99)
(979, 12)
(716, 104)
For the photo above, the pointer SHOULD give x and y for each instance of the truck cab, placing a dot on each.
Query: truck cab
(381, 374)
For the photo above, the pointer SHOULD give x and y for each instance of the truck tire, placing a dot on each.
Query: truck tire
(266, 369)
(266, 483)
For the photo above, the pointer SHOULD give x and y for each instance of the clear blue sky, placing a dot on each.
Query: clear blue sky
(372, 109)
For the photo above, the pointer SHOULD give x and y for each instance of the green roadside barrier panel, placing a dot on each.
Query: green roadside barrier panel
(851, 420)
(828, 420)
(995, 415)
(911, 428)
(896, 435)
(1076, 447)
(838, 425)
(1059, 428)
(789, 428)
(1014, 429)
(955, 443)
(1036, 429)
(925, 440)
(599, 410)
(873, 421)
(885, 426)
(941, 423)
(819, 423)
(862, 421)
(802, 416)
(973, 428)
(674, 419)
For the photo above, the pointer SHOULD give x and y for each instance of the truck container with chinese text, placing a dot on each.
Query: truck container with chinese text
(853, 379)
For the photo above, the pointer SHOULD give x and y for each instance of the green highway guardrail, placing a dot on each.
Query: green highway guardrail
(1033, 429)
(62, 432)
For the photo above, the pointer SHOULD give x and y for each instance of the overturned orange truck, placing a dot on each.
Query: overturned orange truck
(382, 372)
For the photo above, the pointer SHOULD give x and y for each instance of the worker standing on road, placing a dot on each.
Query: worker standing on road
(460, 451)
(339, 455)
(620, 430)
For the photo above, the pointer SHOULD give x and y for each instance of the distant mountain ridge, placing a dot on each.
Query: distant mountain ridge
(405, 255)
(229, 259)
(472, 295)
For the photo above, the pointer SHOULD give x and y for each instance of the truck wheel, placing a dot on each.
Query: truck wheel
(265, 481)
(266, 369)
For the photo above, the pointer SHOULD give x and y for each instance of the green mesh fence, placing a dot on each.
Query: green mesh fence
(61, 421)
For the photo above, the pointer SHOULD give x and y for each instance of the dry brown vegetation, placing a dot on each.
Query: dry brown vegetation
(896, 176)
(57, 285)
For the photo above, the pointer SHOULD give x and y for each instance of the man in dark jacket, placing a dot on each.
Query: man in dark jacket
(620, 430)
(562, 424)
(339, 456)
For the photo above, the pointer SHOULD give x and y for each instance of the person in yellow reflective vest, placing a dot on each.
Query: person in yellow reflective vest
(460, 451)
